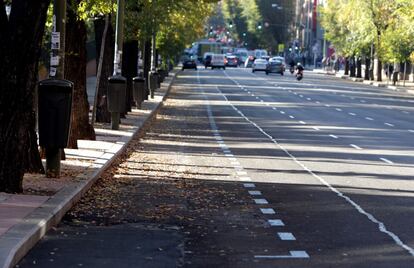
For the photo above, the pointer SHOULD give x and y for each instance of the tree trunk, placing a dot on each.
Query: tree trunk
(352, 67)
(359, 67)
(346, 66)
(129, 68)
(20, 45)
(379, 71)
(102, 113)
(367, 67)
(75, 71)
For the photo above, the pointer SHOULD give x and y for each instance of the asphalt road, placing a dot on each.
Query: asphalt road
(245, 169)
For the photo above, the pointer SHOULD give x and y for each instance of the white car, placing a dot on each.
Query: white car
(218, 61)
(260, 65)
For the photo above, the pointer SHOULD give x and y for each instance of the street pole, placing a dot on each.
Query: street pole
(57, 71)
(117, 84)
(119, 37)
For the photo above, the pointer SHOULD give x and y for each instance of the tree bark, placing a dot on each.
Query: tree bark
(367, 66)
(102, 113)
(352, 67)
(379, 71)
(21, 37)
(359, 67)
(346, 66)
(129, 68)
(75, 71)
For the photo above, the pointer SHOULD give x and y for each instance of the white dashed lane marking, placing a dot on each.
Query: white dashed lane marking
(275, 222)
(339, 109)
(267, 211)
(353, 114)
(286, 236)
(249, 185)
(255, 193)
(302, 122)
(261, 201)
(293, 254)
(369, 118)
(333, 136)
(387, 161)
(388, 124)
(356, 147)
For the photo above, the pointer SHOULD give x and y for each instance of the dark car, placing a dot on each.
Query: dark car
(189, 64)
(232, 61)
(277, 65)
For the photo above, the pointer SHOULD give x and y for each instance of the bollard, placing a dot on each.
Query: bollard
(55, 106)
(138, 90)
(116, 98)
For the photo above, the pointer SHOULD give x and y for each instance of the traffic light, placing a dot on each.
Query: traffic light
(259, 26)
(230, 24)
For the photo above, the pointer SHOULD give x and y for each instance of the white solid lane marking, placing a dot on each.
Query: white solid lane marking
(275, 222)
(333, 136)
(286, 236)
(356, 147)
(388, 124)
(381, 226)
(369, 118)
(353, 114)
(293, 254)
(255, 193)
(387, 161)
(267, 211)
(249, 185)
(261, 201)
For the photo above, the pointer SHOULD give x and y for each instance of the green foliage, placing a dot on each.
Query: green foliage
(353, 25)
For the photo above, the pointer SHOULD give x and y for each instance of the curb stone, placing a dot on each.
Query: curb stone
(19, 239)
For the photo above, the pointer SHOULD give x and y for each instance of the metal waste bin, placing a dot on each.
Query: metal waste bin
(55, 106)
(116, 94)
(138, 91)
(153, 82)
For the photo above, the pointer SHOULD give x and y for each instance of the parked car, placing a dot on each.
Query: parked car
(232, 61)
(260, 65)
(277, 65)
(189, 63)
(218, 61)
(249, 62)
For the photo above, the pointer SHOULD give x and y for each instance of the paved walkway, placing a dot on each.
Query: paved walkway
(401, 86)
(25, 218)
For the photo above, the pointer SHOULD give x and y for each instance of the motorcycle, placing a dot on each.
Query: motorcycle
(299, 75)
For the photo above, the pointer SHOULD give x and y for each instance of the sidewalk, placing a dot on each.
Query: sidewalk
(25, 218)
(407, 88)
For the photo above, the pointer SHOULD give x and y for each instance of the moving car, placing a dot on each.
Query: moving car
(232, 61)
(189, 63)
(260, 65)
(277, 65)
(218, 61)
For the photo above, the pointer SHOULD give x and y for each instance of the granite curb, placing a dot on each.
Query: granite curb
(19, 239)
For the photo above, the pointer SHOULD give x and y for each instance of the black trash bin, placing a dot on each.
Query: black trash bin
(116, 94)
(138, 91)
(55, 106)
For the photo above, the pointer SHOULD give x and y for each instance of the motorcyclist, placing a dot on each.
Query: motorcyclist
(299, 68)
(292, 65)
